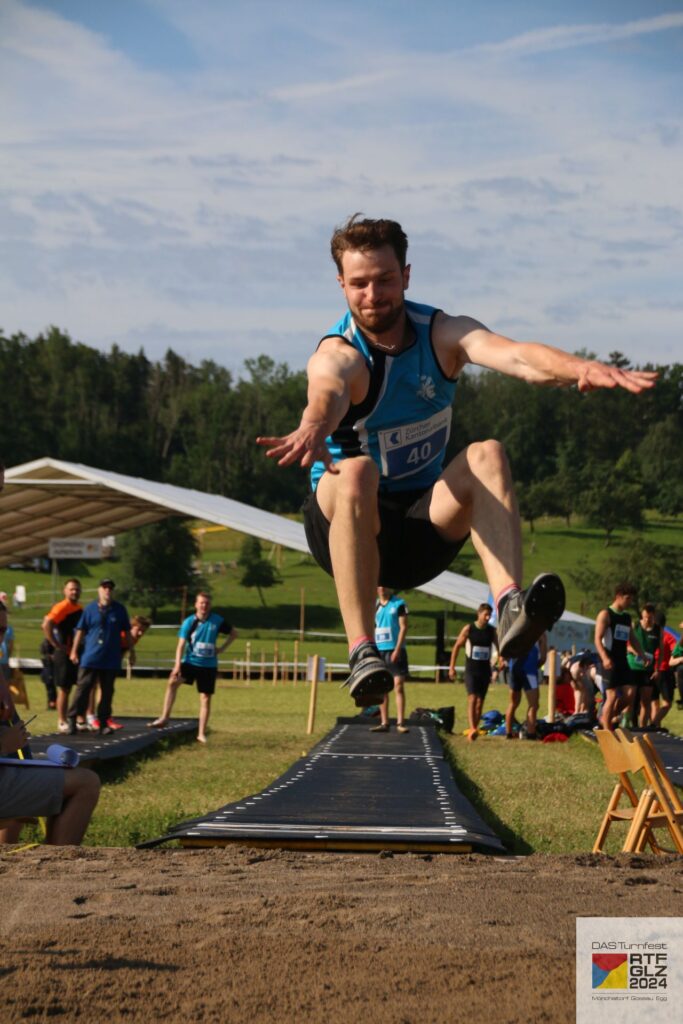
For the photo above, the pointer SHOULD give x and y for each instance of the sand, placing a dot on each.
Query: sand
(244, 935)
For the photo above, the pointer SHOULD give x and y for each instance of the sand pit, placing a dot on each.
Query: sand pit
(242, 935)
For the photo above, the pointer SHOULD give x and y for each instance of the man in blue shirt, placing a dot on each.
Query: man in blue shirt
(387, 509)
(102, 628)
(196, 660)
(391, 627)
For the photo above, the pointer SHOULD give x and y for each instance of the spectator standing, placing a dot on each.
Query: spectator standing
(524, 675)
(59, 626)
(613, 634)
(479, 639)
(391, 628)
(676, 663)
(6, 650)
(102, 627)
(644, 675)
(196, 660)
(47, 673)
(664, 685)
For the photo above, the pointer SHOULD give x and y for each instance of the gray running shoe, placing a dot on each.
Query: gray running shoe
(370, 679)
(527, 614)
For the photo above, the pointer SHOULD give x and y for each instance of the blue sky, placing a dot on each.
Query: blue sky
(172, 171)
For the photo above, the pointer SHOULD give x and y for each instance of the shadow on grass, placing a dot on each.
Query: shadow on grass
(513, 842)
(117, 770)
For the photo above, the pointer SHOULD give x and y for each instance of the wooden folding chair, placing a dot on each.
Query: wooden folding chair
(618, 762)
(662, 808)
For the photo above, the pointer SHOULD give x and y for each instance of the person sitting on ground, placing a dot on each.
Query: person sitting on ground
(524, 675)
(65, 796)
(479, 638)
(196, 660)
(385, 509)
(613, 635)
(59, 626)
(391, 628)
(644, 676)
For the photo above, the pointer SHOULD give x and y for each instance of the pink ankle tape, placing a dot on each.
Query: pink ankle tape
(360, 640)
(505, 591)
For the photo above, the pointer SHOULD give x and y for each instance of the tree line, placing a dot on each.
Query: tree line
(607, 455)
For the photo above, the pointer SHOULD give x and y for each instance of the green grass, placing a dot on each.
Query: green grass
(537, 797)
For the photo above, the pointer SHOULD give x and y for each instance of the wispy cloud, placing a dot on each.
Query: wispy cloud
(195, 209)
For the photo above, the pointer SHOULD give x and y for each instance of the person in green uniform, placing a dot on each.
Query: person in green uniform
(643, 676)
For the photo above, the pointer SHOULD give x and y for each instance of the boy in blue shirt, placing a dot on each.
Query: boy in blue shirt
(196, 660)
(391, 626)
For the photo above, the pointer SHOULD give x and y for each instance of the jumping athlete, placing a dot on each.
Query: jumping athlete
(478, 638)
(384, 509)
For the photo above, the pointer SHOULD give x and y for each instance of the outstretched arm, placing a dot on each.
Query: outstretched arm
(462, 340)
(335, 374)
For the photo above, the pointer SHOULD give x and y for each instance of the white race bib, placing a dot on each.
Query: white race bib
(382, 635)
(481, 654)
(622, 632)
(202, 650)
(406, 450)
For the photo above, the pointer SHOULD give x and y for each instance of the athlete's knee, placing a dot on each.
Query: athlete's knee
(488, 458)
(358, 478)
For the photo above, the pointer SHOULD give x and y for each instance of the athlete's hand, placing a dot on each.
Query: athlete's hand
(607, 664)
(304, 445)
(594, 374)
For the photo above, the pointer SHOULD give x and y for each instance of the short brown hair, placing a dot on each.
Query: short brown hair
(485, 607)
(625, 589)
(141, 620)
(368, 234)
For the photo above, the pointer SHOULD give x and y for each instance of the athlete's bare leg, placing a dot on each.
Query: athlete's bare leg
(475, 494)
(204, 712)
(348, 500)
(169, 700)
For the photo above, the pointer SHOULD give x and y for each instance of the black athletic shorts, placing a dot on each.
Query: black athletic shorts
(411, 552)
(665, 687)
(66, 672)
(205, 678)
(615, 678)
(398, 667)
(476, 685)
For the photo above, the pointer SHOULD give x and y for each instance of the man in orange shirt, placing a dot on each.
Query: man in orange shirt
(59, 626)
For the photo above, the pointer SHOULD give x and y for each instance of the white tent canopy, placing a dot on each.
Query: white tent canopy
(48, 499)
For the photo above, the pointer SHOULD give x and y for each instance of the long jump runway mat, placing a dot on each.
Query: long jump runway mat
(670, 749)
(355, 790)
(134, 736)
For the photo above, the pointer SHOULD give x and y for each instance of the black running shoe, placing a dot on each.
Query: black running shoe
(370, 678)
(527, 614)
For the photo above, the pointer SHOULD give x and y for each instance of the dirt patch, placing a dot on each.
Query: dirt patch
(240, 935)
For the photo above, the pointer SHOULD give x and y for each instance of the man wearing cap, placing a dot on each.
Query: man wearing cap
(102, 627)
